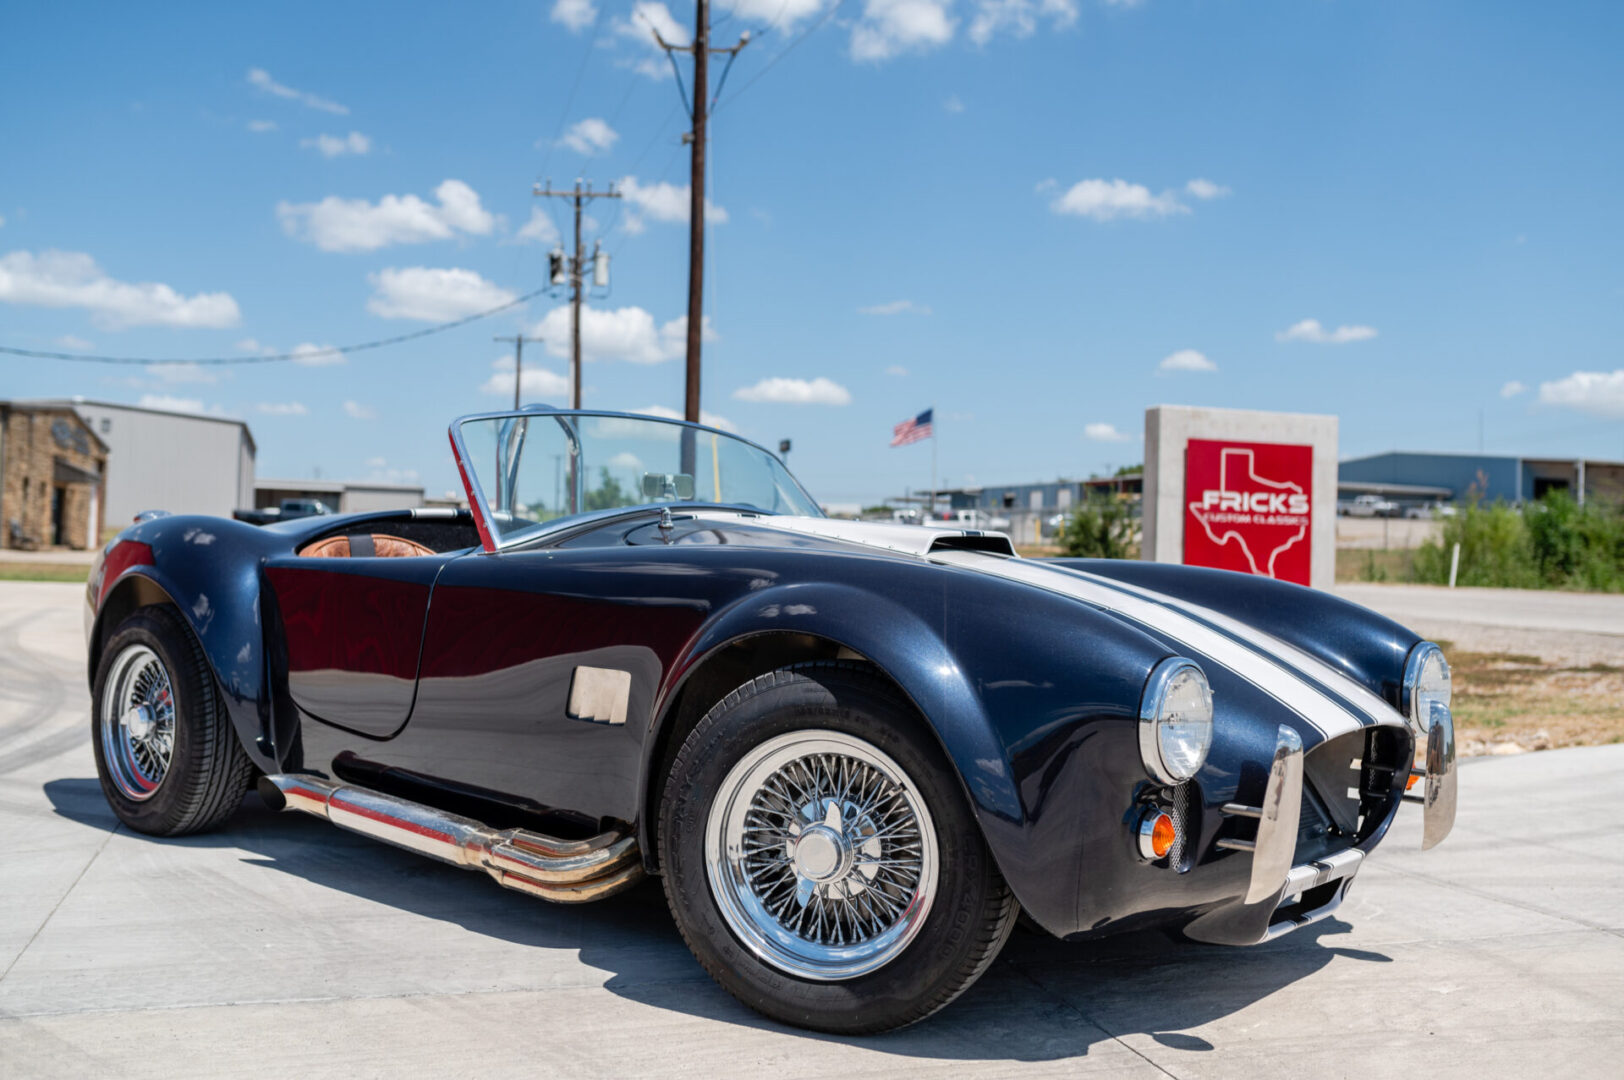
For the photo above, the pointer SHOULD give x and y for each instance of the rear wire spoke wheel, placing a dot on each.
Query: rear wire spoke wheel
(167, 757)
(137, 722)
(820, 857)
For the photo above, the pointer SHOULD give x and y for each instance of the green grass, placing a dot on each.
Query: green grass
(29, 571)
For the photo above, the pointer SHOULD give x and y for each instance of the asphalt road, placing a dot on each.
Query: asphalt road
(1531, 609)
(283, 946)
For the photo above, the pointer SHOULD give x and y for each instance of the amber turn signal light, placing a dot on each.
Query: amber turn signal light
(1157, 832)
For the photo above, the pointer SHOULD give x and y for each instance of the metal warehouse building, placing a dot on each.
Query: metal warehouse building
(1513, 479)
(181, 462)
(341, 496)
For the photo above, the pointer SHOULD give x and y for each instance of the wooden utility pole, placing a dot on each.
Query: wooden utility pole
(698, 110)
(577, 270)
(518, 361)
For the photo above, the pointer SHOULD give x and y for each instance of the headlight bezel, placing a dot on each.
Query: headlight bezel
(1417, 694)
(1152, 724)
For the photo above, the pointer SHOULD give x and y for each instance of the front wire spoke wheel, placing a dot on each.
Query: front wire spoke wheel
(138, 722)
(822, 855)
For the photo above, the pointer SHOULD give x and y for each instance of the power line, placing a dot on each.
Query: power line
(787, 49)
(276, 358)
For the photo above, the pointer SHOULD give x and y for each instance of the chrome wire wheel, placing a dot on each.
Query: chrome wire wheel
(138, 722)
(821, 854)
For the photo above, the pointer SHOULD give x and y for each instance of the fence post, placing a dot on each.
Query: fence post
(1454, 564)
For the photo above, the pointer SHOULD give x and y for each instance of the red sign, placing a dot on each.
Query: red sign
(1249, 507)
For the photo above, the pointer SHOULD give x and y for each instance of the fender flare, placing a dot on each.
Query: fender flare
(899, 643)
(229, 632)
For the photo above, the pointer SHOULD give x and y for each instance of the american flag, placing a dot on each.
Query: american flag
(911, 431)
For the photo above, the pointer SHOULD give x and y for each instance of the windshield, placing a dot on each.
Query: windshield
(527, 470)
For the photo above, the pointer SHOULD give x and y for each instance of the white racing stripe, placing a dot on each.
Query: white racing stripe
(1268, 674)
(1356, 692)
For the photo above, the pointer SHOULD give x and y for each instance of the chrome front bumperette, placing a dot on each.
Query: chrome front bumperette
(564, 871)
(1438, 802)
(1281, 897)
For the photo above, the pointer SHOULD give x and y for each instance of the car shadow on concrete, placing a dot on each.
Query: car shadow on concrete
(1042, 1000)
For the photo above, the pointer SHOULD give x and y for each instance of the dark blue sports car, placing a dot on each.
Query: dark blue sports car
(853, 753)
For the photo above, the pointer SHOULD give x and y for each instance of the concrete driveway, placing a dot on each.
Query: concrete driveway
(283, 946)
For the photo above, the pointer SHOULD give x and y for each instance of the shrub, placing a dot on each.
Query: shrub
(1102, 528)
(1551, 544)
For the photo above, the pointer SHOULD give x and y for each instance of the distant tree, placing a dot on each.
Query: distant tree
(608, 494)
(1101, 528)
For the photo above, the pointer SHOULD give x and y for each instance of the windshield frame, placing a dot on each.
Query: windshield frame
(491, 539)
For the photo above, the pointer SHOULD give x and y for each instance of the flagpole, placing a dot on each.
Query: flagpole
(933, 460)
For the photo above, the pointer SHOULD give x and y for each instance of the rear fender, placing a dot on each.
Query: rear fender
(216, 588)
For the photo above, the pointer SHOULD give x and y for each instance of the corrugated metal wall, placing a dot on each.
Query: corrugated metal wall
(171, 461)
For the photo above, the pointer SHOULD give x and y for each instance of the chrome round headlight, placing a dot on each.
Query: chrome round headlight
(1175, 720)
(1426, 685)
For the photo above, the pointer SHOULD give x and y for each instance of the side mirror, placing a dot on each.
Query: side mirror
(668, 486)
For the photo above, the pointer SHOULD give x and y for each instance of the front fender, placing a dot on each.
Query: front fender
(1012, 684)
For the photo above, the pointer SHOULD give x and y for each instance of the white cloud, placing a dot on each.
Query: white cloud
(895, 307)
(538, 230)
(711, 419)
(261, 78)
(1107, 200)
(625, 460)
(1019, 18)
(282, 408)
(182, 373)
(646, 17)
(336, 224)
(73, 341)
(432, 295)
(309, 354)
(662, 201)
(2, 221)
(357, 411)
(953, 104)
(590, 136)
(538, 382)
(169, 403)
(331, 146)
(898, 370)
(260, 127)
(1102, 432)
(377, 462)
(628, 334)
(1600, 393)
(575, 15)
(60, 279)
(1310, 330)
(1512, 389)
(783, 391)
(888, 28)
(1186, 360)
(1205, 189)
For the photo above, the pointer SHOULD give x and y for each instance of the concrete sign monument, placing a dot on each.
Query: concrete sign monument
(1242, 490)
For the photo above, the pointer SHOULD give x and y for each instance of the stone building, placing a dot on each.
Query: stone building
(52, 466)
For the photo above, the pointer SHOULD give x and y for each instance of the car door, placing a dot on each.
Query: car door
(353, 629)
(539, 675)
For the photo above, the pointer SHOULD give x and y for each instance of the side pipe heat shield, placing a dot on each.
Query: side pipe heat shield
(564, 871)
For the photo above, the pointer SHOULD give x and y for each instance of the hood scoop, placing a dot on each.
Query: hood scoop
(918, 540)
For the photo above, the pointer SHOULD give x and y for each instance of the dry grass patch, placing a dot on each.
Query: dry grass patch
(32, 571)
(1509, 702)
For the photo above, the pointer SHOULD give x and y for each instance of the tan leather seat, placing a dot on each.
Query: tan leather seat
(383, 547)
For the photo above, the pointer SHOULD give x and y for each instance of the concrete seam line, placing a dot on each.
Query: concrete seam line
(1536, 909)
(60, 900)
(1113, 1036)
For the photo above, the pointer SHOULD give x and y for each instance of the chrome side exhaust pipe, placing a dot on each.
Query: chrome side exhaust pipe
(564, 871)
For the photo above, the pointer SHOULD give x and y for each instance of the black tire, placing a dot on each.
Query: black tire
(973, 912)
(208, 774)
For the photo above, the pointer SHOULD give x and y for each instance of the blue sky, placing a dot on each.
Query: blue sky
(1039, 216)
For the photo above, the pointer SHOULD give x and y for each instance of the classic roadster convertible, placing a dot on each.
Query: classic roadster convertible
(853, 753)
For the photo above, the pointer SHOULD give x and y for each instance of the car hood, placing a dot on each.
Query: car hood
(1327, 700)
